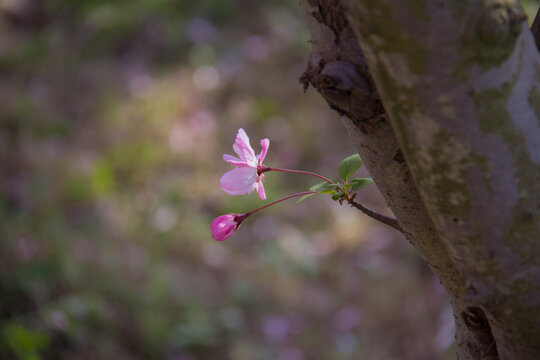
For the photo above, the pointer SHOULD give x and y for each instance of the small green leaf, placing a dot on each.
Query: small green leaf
(335, 186)
(321, 187)
(305, 197)
(360, 183)
(349, 166)
(326, 192)
(337, 196)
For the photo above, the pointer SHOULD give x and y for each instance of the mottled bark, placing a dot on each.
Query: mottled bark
(455, 149)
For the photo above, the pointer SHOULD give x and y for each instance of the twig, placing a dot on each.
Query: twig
(372, 214)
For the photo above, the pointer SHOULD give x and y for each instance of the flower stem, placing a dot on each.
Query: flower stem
(265, 169)
(278, 201)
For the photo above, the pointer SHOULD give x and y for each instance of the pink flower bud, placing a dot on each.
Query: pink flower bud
(224, 226)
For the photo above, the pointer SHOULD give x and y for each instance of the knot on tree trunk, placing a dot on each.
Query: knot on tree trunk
(500, 22)
(337, 80)
(348, 90)
(493, 31)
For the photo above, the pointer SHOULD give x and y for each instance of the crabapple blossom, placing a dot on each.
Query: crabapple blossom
(246, 176)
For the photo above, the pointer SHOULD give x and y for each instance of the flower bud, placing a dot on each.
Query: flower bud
(224, 226)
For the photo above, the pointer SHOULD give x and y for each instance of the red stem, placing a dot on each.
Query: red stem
(277, 201)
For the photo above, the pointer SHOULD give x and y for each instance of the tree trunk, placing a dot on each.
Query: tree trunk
(447, 122)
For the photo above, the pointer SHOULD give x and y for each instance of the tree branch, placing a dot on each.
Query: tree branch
(379, 217)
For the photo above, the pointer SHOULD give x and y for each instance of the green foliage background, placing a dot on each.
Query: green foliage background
(113, 119)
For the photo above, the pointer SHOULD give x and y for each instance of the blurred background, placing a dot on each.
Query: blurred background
(114, 116)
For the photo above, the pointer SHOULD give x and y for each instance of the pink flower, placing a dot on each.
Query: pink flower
(224, 226)
(245, 177)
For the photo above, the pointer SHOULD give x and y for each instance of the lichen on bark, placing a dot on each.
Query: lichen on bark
(385, 35)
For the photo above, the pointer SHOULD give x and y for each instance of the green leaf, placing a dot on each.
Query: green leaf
(360, 183)
(335, 186)
(326, 192)
(349, 166)
(305, 197)
(321, 187)
(337, 196)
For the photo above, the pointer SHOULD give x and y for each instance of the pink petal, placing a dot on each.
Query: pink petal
(260, 190)
(228, 157)
(239, 181)
(242, 137)
(265, 144)
(235, 161)
(242, 147)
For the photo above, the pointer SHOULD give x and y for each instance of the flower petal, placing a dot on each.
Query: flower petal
(265, 144)
(239, 181)
(260, 190)
(235, 161)
(228, 157)
(244, 150)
